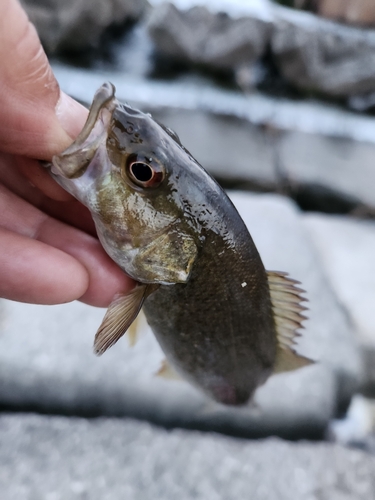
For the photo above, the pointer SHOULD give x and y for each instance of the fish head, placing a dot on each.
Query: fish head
(135, 177)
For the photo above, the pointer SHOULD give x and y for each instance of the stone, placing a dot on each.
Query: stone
(201, 36)
(243, 152)
(59, 458)
(268, 113)
(346, 249)
(358, 426)
(301, 4)
(78, 24)
(255, 138)
(47, 364)
(312, 53)
(316, 54)
(341, 164)
(235, 8)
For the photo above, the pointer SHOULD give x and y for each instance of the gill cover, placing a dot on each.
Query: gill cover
(168, 259)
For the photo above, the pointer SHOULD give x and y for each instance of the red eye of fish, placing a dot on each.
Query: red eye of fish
(144, 173)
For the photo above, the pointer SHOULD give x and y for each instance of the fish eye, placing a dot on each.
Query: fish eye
(144, 172)
(141, 171)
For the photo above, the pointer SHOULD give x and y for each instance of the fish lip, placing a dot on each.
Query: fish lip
(104, 98)
(74, 160)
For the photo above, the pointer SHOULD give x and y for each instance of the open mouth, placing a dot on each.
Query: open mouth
(73, 162)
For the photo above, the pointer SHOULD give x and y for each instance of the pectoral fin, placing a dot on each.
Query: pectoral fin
(286, 298)
(120, 315)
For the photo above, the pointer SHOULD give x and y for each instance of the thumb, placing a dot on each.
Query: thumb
(36, 118)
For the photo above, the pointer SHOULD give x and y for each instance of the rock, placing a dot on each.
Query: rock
(320, 55)
(230, 148)
(301, 4)
(368, 386)
(55, 458)
(341, 164)
(358, 425)
(46, 360)
(254, 138)
(362, 103)
(319, 198)
(312, 53)
(78, 24)
(346, 248)
(201, 36)
(235, 8)
(276, 114)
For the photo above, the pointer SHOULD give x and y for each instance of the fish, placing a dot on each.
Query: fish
(224, 323)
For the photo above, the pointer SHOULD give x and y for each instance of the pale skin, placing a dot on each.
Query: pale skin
(49, 252)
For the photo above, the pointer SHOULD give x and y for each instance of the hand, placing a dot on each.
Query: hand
(49, 252)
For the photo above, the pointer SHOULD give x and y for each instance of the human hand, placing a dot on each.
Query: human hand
(49, 252)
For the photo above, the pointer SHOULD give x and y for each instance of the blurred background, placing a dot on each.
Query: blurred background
(276, 100)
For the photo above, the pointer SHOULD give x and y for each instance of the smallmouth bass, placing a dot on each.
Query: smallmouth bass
(224, 323)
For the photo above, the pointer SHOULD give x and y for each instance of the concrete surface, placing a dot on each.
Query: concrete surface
(55, 458)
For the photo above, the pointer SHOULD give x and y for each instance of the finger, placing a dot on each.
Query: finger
(105, 278)
(11, 177)
(29, 92)
(22, 175)
(31, 271)
(41, 179)
(72, 212)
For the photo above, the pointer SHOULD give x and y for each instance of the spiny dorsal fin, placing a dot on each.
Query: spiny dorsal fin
(120, 315)
(286, 304)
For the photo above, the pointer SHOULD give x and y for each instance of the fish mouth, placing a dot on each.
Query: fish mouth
(73, 162)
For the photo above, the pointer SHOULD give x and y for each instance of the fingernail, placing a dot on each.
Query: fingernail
(71, 115)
